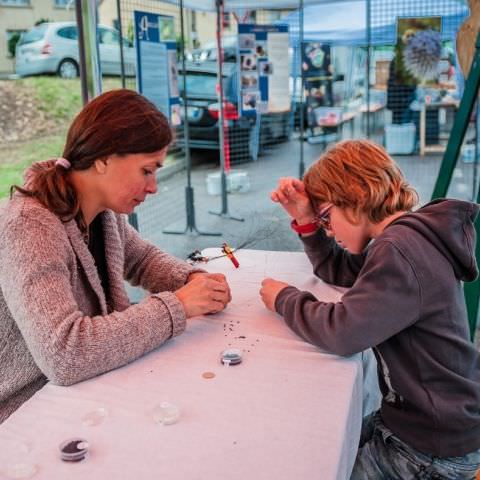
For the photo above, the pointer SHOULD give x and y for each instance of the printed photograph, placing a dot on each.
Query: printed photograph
(265, 68)
(167, 29)
(261, 49)
(246, 41)
(249, 80)
(250, 100)
(248, 61)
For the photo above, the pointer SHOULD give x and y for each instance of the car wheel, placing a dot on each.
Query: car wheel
(68, 68)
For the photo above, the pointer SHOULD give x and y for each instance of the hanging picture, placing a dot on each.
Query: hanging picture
(418, 50)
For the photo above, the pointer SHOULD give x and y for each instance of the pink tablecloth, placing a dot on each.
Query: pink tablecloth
(287, 411)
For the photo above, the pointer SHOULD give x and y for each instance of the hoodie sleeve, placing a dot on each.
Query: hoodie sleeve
(384, 300)
(330, 262)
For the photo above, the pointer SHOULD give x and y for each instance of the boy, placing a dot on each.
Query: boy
(405, 301)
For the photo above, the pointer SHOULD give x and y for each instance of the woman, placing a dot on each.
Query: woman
(353, 211)
(66, 249)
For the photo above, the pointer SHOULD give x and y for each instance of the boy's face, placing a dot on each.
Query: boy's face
(352, 236)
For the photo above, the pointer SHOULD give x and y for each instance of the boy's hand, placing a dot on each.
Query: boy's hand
(269, 291)
(291, 195)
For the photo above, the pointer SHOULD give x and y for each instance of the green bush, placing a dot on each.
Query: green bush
(12, 43)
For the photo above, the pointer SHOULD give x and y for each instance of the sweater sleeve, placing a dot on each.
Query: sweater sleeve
(330, 262)
(150, 268)
(36, 272)
(384, 300)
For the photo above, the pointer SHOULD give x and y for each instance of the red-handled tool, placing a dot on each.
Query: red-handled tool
(229, 253)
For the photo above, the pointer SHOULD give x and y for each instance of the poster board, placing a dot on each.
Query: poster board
(156, 57)
(263, 63)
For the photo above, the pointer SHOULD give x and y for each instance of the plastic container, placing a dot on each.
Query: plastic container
(468, 153)
(400, 139)
(73, 450)
(231, 356)
(328, 116)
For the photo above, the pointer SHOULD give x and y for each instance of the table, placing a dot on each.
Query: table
(347, 118)
(373, 112)
(288, 411)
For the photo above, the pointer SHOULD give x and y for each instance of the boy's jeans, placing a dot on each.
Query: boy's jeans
(382, 455)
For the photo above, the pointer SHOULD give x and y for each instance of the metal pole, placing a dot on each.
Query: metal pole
(120, 43)
(88, 46)
(81, 52)
(301, 169)
(189, 194)
(369, 41)
(221, 120)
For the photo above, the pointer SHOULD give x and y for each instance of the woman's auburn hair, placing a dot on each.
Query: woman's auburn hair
(360, 176)
(118, 122)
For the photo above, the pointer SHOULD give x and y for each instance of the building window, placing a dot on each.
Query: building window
(62, 3)
(15, 3)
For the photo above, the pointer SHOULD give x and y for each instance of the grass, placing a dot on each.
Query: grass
(62, 100)
(25, 154)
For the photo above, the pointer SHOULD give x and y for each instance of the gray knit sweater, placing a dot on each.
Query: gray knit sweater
(54, 323)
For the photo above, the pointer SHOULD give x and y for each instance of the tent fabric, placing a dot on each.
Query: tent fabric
(232, 5)
(327, 23)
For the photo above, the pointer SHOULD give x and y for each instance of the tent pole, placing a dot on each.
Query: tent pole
(369, 41)
(221, 125)
(301, 169)
(189, 194)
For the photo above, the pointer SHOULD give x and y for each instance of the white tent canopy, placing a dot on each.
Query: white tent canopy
(232, 5)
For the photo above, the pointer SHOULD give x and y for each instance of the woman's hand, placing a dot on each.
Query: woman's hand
(269, 291)
(204, 293)
(291, 195)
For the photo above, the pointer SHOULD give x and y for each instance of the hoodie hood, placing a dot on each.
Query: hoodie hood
(449, 226)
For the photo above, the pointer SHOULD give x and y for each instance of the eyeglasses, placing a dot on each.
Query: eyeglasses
(323, 217)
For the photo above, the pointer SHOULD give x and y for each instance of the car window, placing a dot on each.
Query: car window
(34, 35)
(199, 84)
(108, 37)
(71, 33)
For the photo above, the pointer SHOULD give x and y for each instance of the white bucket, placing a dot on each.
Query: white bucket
(214, 183)
(237, 182)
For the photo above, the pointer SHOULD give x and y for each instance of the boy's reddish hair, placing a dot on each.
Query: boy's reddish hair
(360, 175)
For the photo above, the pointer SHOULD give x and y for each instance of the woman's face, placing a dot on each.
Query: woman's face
(128, 179)
(352, 236)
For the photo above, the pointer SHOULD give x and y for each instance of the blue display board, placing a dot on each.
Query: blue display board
(157, 72)
(263, 68)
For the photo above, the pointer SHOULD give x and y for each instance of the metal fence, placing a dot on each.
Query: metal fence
(351, 100)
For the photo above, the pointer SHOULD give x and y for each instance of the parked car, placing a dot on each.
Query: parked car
(209, 51)
(53, 48)
(203, 113)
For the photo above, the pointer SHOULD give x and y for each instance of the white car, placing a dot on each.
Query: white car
(53, 48)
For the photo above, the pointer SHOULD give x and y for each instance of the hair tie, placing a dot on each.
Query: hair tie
(63, 162)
